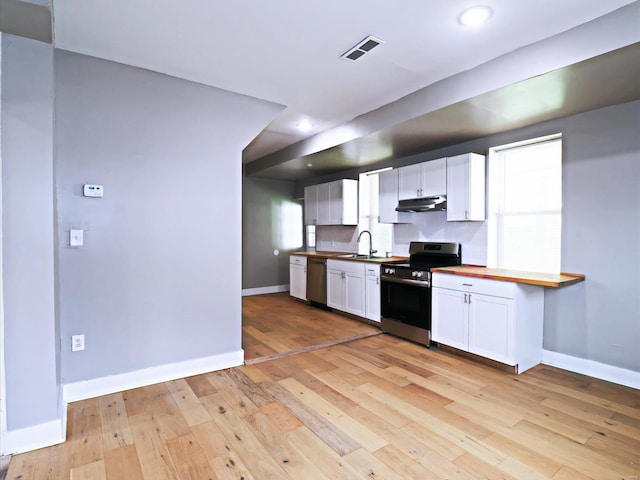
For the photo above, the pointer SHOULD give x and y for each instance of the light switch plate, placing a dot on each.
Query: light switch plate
(76, 238)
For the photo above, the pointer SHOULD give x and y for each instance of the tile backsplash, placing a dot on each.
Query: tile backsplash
(426, 227)
(433, 227)
(337, 238)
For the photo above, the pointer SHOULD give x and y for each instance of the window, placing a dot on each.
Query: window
(525, 205)
(311, 236)
(369, 215)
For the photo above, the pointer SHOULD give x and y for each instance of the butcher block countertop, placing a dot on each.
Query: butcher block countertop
(340, 256)
(530, 278)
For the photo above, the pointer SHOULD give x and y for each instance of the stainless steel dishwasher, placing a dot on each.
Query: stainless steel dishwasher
(317, 280)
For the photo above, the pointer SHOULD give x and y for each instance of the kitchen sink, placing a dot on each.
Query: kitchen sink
(358, 255)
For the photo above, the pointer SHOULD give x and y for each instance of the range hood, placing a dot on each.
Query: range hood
(425, 204)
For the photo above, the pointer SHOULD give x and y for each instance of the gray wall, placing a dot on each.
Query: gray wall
(158, 280)
(267, 210)
(28, 232)
(598, 319)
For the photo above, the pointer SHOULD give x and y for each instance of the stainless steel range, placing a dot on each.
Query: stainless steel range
(406, 289)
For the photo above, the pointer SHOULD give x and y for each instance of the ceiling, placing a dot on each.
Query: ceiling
(288, 51)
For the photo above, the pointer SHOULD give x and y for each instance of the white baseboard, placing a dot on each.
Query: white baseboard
(263, 290)
(621, 376)
(147, 376)
(32, 438)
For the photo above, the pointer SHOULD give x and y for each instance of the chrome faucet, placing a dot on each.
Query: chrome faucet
(371, 250)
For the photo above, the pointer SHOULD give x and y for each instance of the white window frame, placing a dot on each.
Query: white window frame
(496, 200)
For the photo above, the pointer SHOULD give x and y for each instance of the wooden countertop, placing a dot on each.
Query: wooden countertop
(319, 254)
(530, 278)
(338, 256)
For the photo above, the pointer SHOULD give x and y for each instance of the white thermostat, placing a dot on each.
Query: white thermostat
(92, 190)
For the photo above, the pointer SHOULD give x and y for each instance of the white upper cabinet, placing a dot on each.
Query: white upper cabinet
(311, 205)
(426, 179)
(466, 188)
(334, 203)
(409, 185)
(388, 198)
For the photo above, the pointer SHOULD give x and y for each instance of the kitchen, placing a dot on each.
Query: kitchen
(131, 284)
(568, 304)
(402, 294)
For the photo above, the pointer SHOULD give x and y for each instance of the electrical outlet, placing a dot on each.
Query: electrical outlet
(77, 343)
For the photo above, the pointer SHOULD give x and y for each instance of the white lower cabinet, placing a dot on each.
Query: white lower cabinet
(499, 320)
(298, 276)
(346, 286)
(372, 293)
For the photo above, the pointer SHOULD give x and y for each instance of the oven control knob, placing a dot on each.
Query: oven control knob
(416, 274)
(389, 271)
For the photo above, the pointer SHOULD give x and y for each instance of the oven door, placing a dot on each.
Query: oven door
(407, 302)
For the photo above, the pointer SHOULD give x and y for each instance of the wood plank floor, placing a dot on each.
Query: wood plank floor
(276, 324)
(375, 408)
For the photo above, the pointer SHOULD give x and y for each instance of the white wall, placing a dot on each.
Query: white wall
(158, 280)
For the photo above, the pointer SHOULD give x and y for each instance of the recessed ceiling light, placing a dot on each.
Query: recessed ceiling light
(475, 16)
(305, 125)
(309, 164)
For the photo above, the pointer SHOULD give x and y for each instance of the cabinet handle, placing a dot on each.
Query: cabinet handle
(342, 275)
(469, 299)
(305, 269)
(377, 280)
(468, 284)
(465, 298)
(466, 215)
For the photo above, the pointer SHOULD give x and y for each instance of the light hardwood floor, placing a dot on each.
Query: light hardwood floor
(374, 408)
(276, 324)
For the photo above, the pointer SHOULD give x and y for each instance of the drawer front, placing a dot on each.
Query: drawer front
(298, 260)
(372, 270)
(485, 286)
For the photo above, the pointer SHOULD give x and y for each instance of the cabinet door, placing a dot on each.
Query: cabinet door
(311, 205)
(298, 281)
(466, 188)
(450, 322)
(434, 178)
(491, 327)
(335, 203)
(355, 293)
(372, 283)
(335, 289)
(349, 202)
(388, 196)
(409, 182)
(324, 204)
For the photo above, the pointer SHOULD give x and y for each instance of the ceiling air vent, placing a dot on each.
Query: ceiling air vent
(361, 48)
